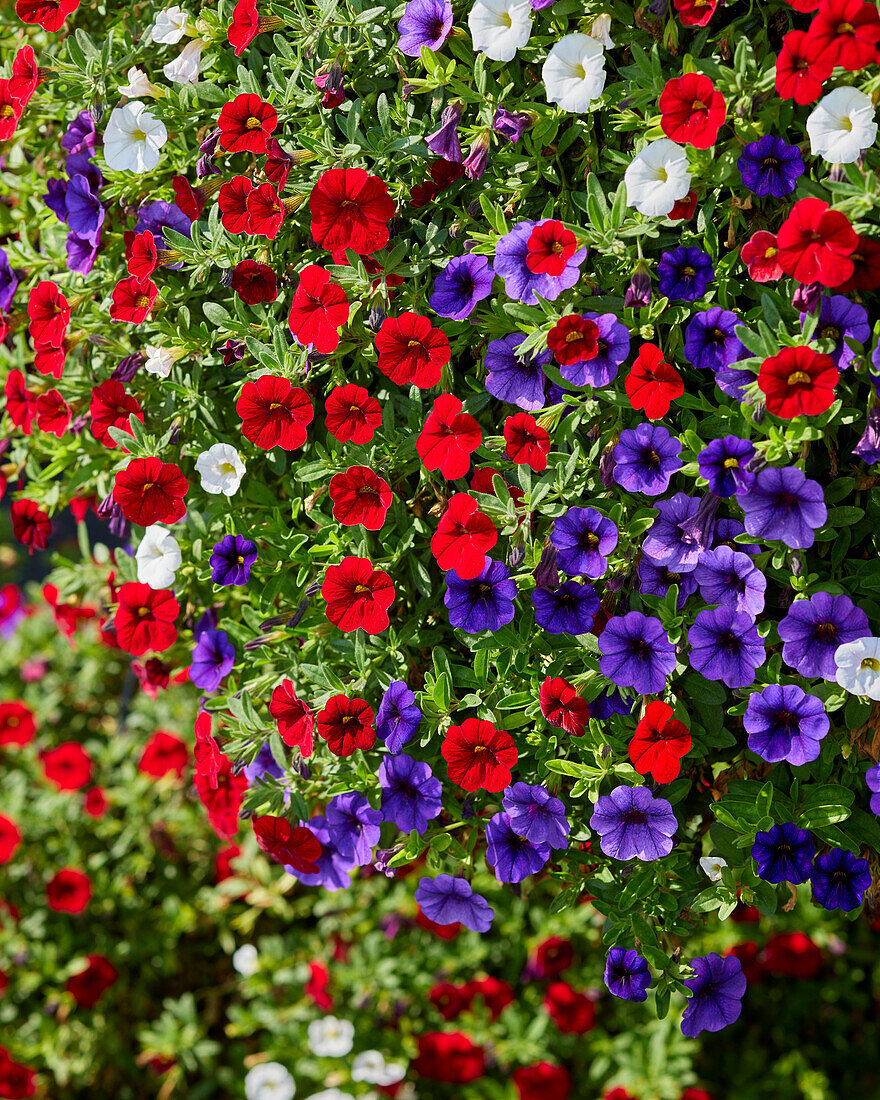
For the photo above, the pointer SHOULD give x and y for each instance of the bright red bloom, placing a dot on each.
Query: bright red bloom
(563, 707)
(478, 756)
(10, 838)
(549, 248)
(265, 211)
(866, 273)
(67, 615)
(68, 891)
(21, 404)
(277, 164)
(659, 743)
(254, 283)
(89, 985)
(68, 766)
(318, 311)
(692, 110)
(142, 256)
(209, 759)
(223, 800)
(573, 339)
(133, 299)
(816, 243)
(553, 956)
(50, 361)
(448, 438)
(246, 123)
(49, 314)
(11, 109)
(247, 23)
(163, 754)
(274, 413)
(352, 414)
(350, 209)
(411, 351)
(50, 14)
(30, 525)
(449, 1056)
(26, 75)
(232, 201)
(316, 987)
(346, 724)
(695, 13)
(296, 721)
(17, 724)
(360, 496)
(112, 407)
(759, 254)
(357, 595)
(191, 200)
(847, 32)
(297, 846)
(495, 994)
(145, 618)
(683, 210)
(653, 384)
(572, 1012)
(801, 67)
(450, 1000)
(792, 955)
(463, 537)
(53, 413)
(798, 382)
(527, 442)
(151, 491)
(95, 802)
(223, 863)
(542, 1081)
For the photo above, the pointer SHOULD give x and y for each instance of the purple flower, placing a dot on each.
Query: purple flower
(769, 166)
(444, 141)
(81, 253)
(56, 198)
(674, 539)
(610, 702)
(583, 538)
(868, 447)
(411, 795)
(726, 646)
(398, 716)
(733, 381)
(334, 869)
(478, 155)
(465, 281)
(710, 340)
(354, 826)
(872, 781)
(684, 274)
(128, 367)
(80, 165)
(806, 297)
(784, 854)
(511, 124)
(716, 994)
(8, 283)
(484, 603)
(613, 349)
(264, 763)
(424, 23)
(231, 560)
(636, 652)
(154, 217)
(516, 379)
(722, 463)
(841, 319)
(728, 577)
(85, 215)
(80, 136)
(639, 292)
(568, 609)
(840, 880)
(212, 659)
(631, 822)
(784, 723)
(447, 900)
(536, 815)
(627, 975)
(813, 629)
(523, 284)
(511, 857)
(784, 505)
(656, 580)
(645, 459)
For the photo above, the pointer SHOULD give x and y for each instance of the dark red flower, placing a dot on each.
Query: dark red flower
(683, 210)
(223, 863)
(95, 802)
(411, 351)
(350, 209)
(265, 211)
(296, 847)
(49, 314)
(318, 310)
(659, 743)
(112, 407)
(495, 994)
(346, 724)
(67, 615)
(846, 32)
(573, 339)
(68, 766)
(798, 382)
(553, 956)
(222, 801)
(463, 537)
(792, 955)
(357, 595)
(449, 438)
(274, 413)
(50, 361)
(450, 1000)
(30, 525)
(246, 123)
(759, 254)
(163, 754)
(133, 299)
(816, 244)
(254, 283)
(449, 1056)
(563, 707)
(572, 1012)
(360, 496)
(352, 415)
(53, 413)
(68, 891)
(10, 838)
(866, 272)
(89, 985)
(478, 756)
(145, 618)
(21, 404)
(247, 23)
(549, 248)
(542, 1081)
(209, 759)
(150, 491)
(26, 75)
(801, 67)
(17, 723)
(692, 110)
(296, 721)
(191, 200)
(695, 13)
(153, 675)
(528, 444)
(142, 257)
(653, 384)
(232, 201)
(50, 14)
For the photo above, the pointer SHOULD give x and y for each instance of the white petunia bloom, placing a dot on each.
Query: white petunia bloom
(139, 84)
(133, 138)
(170, 26)
(712, 867)
(657, 178)
(161, 360)
(331, 1038)
(187, 66)
(601, 30)
(331, 1094)
(221, 469)
(246, 960)
(370, 1066)
(500, 27)
(574, 72)
(269, 1081)
(158, 557)
(841, 125)
(858, 667)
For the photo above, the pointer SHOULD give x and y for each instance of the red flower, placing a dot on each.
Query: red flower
(133, 299)
(145, 618)
(88, 986)
(50, 361)
(68, 616)
(411, 351)
(653, 384)
(553, 956)
(542, 1081)
(21, 404)
(866, 273)
(815, 243)
(798, 382)
(549, 248)
(68, 891)
(357, 595)
(254, 283)
(49, 314)
(30, 525)
(346, 724)
(563, 707)
(478, 756)
(10, 838)
(163, 754)
(274, 413)
(223, 800)
(801, 67)
(265, 211)
(352, 414)
(246, 123)
(573, 339)
(846, 32)
(296, 847)
(495, 994)
(448, 438)
(792, 955)
(151, 491)
(527, 442)
(95, 802)
(53, 413)
(659, 743)
(191, 200)
(572, 1012)
(350, 209)
(232, 201)
(247, 24)
(17, 724)
(318, 310)
(223, 863)
(11, 109)
(449, 1056)
(277, 164)
(683, 210)
(50, 14)
(112, 407)
(142, 256)
(446, 932)
(296, 722)
(747, 953)
(209, 759)
(153, 676)
(316, 987)
(360, 496)
(692, 110)
(26, 75)
(695, 13)
(463, 537)
(759, 254)
(450, 1000)
(68, 766)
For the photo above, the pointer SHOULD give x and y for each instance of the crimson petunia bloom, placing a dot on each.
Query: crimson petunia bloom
(411, 351)
(50, 14)
(296, 722)
(21, 403)
(142, 256)
(562, 706)
(223, 800)
(801, 67)
(145, 618)
(357, 595)
(463, 538)
(653, 384)
(528, 444)
(265, 211)
(30, 525)
(68, 766)
(89, 985)
(695, 13)
(209, 759)
(478, 756)
(10, 838)
(573, 339)
(318, 311)
(112, 407)
(759, 254)
(246, 123)
(17, 724)
(11, 109)
(53, 413)
(798, 382)
(232, 201)
(133, 299)
(448, 438)
(360, 496)
(692, 110)
(49, 360)
(346, 724)
(49, 314)
(254, 283)
(350, 209)
(352, 414)
(683, 210)
(549, 248)
(846, 32)
(815, 243)
(26, 74)
(659, 743)
(164, 754)
(866, 275)
(295, 846)
(68, 891)
(151, 491)
(247, 23)
(274, 413)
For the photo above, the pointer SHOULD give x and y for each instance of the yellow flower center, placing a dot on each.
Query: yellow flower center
(798, 378)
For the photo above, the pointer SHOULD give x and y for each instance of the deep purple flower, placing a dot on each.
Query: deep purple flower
(212, 659)
(722, 463)
(398, 717)
(79, 164)
(80, 136)
(769, 166)
(710, 341)
(868, 447)
(636, 652)
(784, 723)
(511, 124)
(354, 826)
(522, 284)
(444, 141)
(726, 531)
(568, 609)
(684, 274)
(465, 281)
(8, 283)
(645, 458)
(484, 603)
(583, 538)
(674, 539)
(639, 292)
(478, 155)
(732, 381)
(232, 351)
(613, 349)
(609, 702)
(81, 253)
(841, 319)
(656, 580)
(511, 857)
(784, 505)
(447, 900)
(231, 560)
(872, 781)
(128, 367)
(536, 815)
(264, 763)
(716, 994)
(519, 380)
(726, 646)
(334, 869)
(840, 880)
(729, 577)
(154, 217)
(784, 854)
(424, 23)
(813, 629)
(631, 822)
(411, 795)
(56, 198)
(627, 975)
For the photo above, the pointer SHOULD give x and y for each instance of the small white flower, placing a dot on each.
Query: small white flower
(161, 360)
(858, 667)
(574, 72)
(331, 1094)
(221, 469)
(370, 1066)
(500, 27)
(170, 26)
(246, 960)
(133, 138)
(269, 1081)
(331, 1038)
(657, 178)
(158, 557)
(841, 125)
(187, 66)
(712, 867)
(139, 84)
(601, 29)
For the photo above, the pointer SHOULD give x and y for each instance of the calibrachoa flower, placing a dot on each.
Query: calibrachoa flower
(350, 209)
(411, 795)
(274, 413)
(645, 459)
(449, 900)
(220, 469)
(500, 27)
(357, 595)
(512, 857)
(839, 320)
(770, 167)
(657, 178)
(213, 658)
(692, 110)
(840, 880)
(632, 823)
(635, 651)
(425, 23)
(464, 282)
(520, 281)
(484, 602)
(568, 609)
(346, 724)
(478, 756)
(784, 854)
(398, 716)
(360, 496)
(574, 72)
(815, 243)
(858, 667)
(729, 577)
(563, 707)
(723, 464)
(814, 629)
(583, 538)
(784, 723)
(573, 339)
(842, 125)
(716, 997)
(627, 975)
(158, 557)
(533, 813)
(685, 273)
(411, 351)
(798, 382)
(318, 310)
(659, 743)
(296, 722)
(612, 349)
(653, 384)
(232, 559)
(133, 138)
(352, 415)
(145, 618)
(785, 505)
(448, 438)
(527, 443)
(463, 538)
(726, 646)
(517, 379)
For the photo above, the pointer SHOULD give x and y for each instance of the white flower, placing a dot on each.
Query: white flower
(858, 667)
(601, 29)
(500, 27)
(158, 557)
(246, 960)
(139, 84)
(269, 1081)
(712, 867)
(331, 1094)
(221, 469)
(574, 72)
(331, 1038)
(841, 125)
(187, 66)
(133, 138)
(370, 1066)
(161, 360)
(657, 178)
(170, 26)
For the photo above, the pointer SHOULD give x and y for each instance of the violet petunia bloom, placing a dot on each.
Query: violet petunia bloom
(632, 823)
(717, 991)
(475, 162)
(770, 166)
(232, 559)
(79, 164)
(334, 869)
(728, 577)
(155, 217)
(80, 135)
(568, 609)
(398, 716)
(354, 826)
(584, 538)
(483, 603)
(684, 274)
(674, 539)
(784, 723)
(726, 646)
(722, 462)
(449, 900)
(784, 505)
(411, 795)
(726, 531)
(645, 458)
(8, 283)
(517, 379)
(212, 659)
(424, 23)
(81, 253)
(868, 447)
(784, 854)
(512, 857)
(263, 764)
(627, 975)
(613, 343)
(841, 319)
(710, 341)
(56, 198)
(814, 629)
(840, 880)
(444, 141)
(636, 652)
(872, 782)
(732, 381)
(656, 580)
(85, 214)
(465, 281)
(610, 702)
(520, 282)
(536, 815)
(511, 124)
